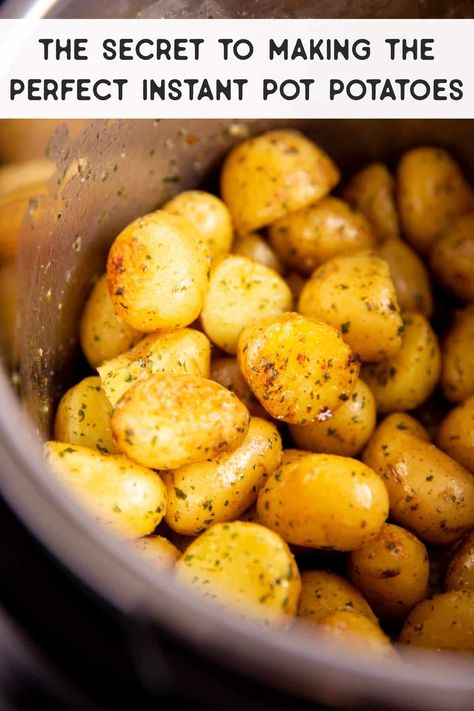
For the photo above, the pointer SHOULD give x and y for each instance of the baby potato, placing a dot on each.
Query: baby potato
(83, 417)
(208, 214)
(323, 593)
(404, 422)
(226, 371)
(406, 380)
(158, 272)
(391, 571)
(244, 567)
(460, 573)
(157, 550)
(307, 238)
(431, 193)
(241, 291)
(372, 191)
(359, 632)
(221, 489)
(347, 432)
(255, 247)
(120, 494)
(355, 293)
(452, 258)
(324, 501)
(299, 368)
(455, 434)
(103, 335)
(430, 493)
(409, 275)
(457, 373)
(291, 455)
(184, 351)
(270, 175)
(169, 421)
(445, 622)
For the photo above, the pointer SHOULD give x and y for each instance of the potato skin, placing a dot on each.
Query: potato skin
(445, 622)
(241, 292)
(391, 571)
(299, 368)
(372, 191)
(253, 245)
(457, 373)
(455, 434)
(103, 334)
(225, 370)
(406, 380)
(324, 501)
(404, 422)
(270, 175)
(158, 272)
(323, 593)
(307, 238)
(460, 573)
(409, 275)
(103, 482)
(356, 294)
(169, 421)
(245, 567)
(452, 258)
(157, 550)
(221, 489)
(358, 632)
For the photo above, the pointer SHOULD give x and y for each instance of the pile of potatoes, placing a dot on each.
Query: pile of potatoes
(264, 368)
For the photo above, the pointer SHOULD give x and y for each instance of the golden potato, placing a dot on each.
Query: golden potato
(241, 292)
(455, 434)
(431, 194)
(103, 483)
(168, 421)
(372, 191)
(307, 238)
(409, 276)
(355, 293)
(324, 501)
(291, 455)
(323, 593)
(452, 258)
(445, 621)
(158, 272)
(157, 550)
(300, 369)
(83, 417)
(270, 175)
(406, 380)
(406, 423)
(184, 351)
(347, 432)
(460, 573)
(226, 371)
(8, 308)
(253, 245)
(244, 567)
(457, 373)
(391, 571)
(359, 632)
(221, 489)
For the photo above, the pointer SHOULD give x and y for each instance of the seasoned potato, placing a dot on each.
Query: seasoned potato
(158, 271)
(168, 421)
(226, 371)
(406, 380)
(359, 632)
(221, 489)
(324, 501)
(445, 621)
(430, 493)
(291, 455)
(255, 247)
(102, 333)
(356, 294)
(457, 373)
(307, 238)
(452, 258)
(208, 214)
(409, 275)
(83, 417)
(372, 191)
(391, 571)
(241, 291)
(323, 593)
(157, 550)
(431, 194)
(455, 434)
(245, 567)
(184, 351)
(347, 432)
(300, 369)
(406, 423)
(103, 483)
(460, 574)
(270, 175)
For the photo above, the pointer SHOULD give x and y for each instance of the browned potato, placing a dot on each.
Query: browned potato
(460, 574)
(445, 621)
(359, 632)
(225, 370)
(457, 373)
(255, 247)
(372, 191)
(452, 258)
(455, 434)
(323, 593)
(409, 275)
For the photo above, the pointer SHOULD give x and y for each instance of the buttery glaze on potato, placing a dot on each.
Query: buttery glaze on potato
(452, 258)
(409, 276)
(457, 373)
(323, 593)
(253, 245)
(360, 633)
(455, 434)
(460, 573)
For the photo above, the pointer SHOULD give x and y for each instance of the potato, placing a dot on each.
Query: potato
(296, 283)
(430, 493)
(8, 308)
(372, 191)
(103, 335)
(157, 550)
(300, 369)
(184, 351)
(356, 294)
(270, 175)
(457, 373)
(252, 245)
(307, 238)
(241, 292)
(460, 573)
(244, 567)
(291, 455)
(445, 622)
(323, 593)
(358, 632)
(406, 380)
(431, 194)
(455, 434)
(120, 494)
(83, 417)
(324, 501)
(452, 258)
(409, 276)
(221, 489)
(169, 421)
(347, 432)
(158, 271)
(391, 571)
(226, 371)
(406, 423)
(208, 214)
